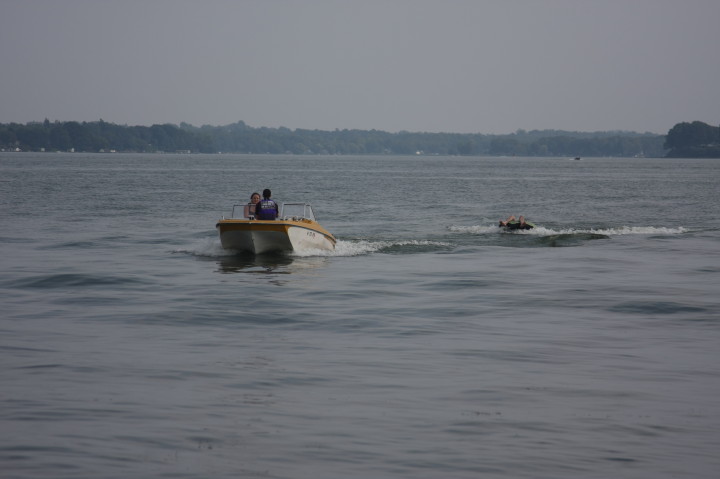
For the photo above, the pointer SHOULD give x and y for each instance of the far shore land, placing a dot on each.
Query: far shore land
(684, 140)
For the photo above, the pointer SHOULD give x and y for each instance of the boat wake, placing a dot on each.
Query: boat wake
(363, 247)
(211, 248)
(542, 231)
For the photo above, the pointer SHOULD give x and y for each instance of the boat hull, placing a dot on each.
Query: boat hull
(258, 236)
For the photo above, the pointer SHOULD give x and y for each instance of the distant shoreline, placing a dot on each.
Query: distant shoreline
(101, 136)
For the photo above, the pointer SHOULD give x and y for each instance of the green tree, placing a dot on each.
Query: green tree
(693, 134)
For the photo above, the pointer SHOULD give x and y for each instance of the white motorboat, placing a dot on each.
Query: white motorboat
(295, 229)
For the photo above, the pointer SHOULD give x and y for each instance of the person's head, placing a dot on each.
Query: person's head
(266, 193)
(254, 198)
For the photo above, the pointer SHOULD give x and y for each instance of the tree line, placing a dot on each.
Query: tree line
(238, 137)
(693, 140)
(99, 136)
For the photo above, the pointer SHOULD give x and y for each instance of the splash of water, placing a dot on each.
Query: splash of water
(363, 247)
(211, 248)
(542, 231)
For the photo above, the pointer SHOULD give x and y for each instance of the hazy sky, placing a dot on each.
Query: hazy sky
(467, 66)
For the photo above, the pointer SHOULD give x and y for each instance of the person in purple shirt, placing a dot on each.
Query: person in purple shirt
(266, 209)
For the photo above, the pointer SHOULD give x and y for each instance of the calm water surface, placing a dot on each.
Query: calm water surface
(429, 345)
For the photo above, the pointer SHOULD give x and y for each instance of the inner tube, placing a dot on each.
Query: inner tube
(515, 225)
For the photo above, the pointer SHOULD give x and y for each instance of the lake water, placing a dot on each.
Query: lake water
(428, 345)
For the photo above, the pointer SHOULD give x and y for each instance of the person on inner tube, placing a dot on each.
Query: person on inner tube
(513, 223)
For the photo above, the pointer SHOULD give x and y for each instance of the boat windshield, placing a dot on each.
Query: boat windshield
(288, 211)
(296, 211)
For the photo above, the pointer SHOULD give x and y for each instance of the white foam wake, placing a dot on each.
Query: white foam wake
(542, 231)
(636, 230)
(478, 229)
(211, 248)
(363, 247)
